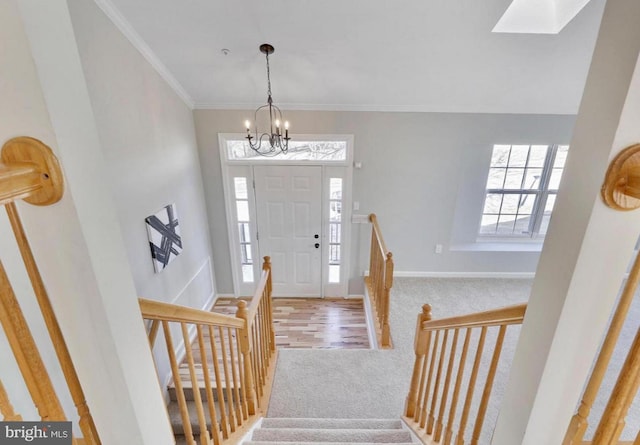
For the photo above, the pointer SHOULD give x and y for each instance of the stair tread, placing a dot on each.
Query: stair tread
(331, 435)
(252, 442)
(330, 423)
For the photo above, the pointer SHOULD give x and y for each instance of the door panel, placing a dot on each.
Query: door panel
(288, 203)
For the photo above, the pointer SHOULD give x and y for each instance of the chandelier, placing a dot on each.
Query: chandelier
(277, 141)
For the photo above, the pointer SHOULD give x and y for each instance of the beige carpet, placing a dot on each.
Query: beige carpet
(373, 384)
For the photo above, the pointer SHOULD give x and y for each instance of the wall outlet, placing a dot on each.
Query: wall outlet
(438, 248)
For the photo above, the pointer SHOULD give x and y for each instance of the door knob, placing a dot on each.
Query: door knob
(317, 245)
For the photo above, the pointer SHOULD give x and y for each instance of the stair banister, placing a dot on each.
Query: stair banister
(431, 407)
(242, 352)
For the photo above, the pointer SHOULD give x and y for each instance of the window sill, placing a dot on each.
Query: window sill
(500, 246)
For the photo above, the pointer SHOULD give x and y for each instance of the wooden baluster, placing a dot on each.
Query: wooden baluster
(243, 386)
(423, 383)
(6, 409)
(266, 266)
(456, 390)
(612, 421)
(234, 373)
(388, 283)
(153, 332)
(26, 353)
(195, 386)
(86, 423)
(445, 391)
(579, 422)
(219, 391)
(372, 256)
(436, 386)
(257, 354)
(182, 401)
(227, 380)
(471, 387)
(421, 348)
(486, 393)
(637, 441)
(245, 344)
(215, 427)
(432, 365)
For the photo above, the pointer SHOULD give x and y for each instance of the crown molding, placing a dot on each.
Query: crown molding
(125, 28)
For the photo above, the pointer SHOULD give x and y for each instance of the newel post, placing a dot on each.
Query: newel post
(421, 346)
(266, 266)
(245, 347)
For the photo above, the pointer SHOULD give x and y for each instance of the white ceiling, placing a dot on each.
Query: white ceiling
(376, 55)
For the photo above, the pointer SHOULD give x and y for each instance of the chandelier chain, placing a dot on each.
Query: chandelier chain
(268, 77)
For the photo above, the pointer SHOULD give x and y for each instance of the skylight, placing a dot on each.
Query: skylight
(538, 16)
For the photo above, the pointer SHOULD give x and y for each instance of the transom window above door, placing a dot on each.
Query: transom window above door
(299, 150)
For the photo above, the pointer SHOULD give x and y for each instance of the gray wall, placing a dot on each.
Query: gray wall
(149, 145)
(423, 174)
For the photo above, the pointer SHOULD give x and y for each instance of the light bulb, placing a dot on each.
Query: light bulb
(286, 125)
(277, 123)
(247, 124)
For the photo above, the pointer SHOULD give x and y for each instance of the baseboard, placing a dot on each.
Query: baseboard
(437, 274)
(413, 274)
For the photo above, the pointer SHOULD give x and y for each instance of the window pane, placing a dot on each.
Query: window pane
(522, 225)
(505, 224)
(532, 178)
(488, 224)
(537, 155)
(240, 185)
(335, 188)
(526, 203)
(298, 151)
(551, 202)
(514, 178)
(561, 156)
(247, 273)
(492, 203)
(334, 254)
(245, 235)
(334, 273)
(496, 178)
(554, 182)
(243, 210)
(500, 155)
(510, 204)
(518, 156)
(334, 233)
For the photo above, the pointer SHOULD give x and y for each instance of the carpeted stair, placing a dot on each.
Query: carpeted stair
(286, 431)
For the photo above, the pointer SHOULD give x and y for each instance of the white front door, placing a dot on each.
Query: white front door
(289, 219)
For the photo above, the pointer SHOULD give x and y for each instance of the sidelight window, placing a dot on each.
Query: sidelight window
(335, 228)
(244, 232)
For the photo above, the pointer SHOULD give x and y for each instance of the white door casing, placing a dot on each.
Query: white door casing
(289, 221)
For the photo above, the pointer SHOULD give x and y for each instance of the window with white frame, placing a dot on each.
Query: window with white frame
(335, 228)
(521, 190)
(244, 232)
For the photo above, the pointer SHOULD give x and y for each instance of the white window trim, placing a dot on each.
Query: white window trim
(493, 241)
(346, 166)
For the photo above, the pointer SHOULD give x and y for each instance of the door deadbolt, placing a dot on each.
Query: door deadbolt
(316, 236)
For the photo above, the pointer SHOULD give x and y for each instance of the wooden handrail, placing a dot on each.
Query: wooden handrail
(6, 408)
(376, 228)
(157, 310)
(497, 317)
(435, 386)
(252, 309)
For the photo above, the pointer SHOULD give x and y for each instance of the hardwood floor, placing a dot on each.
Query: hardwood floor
(314, 323)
